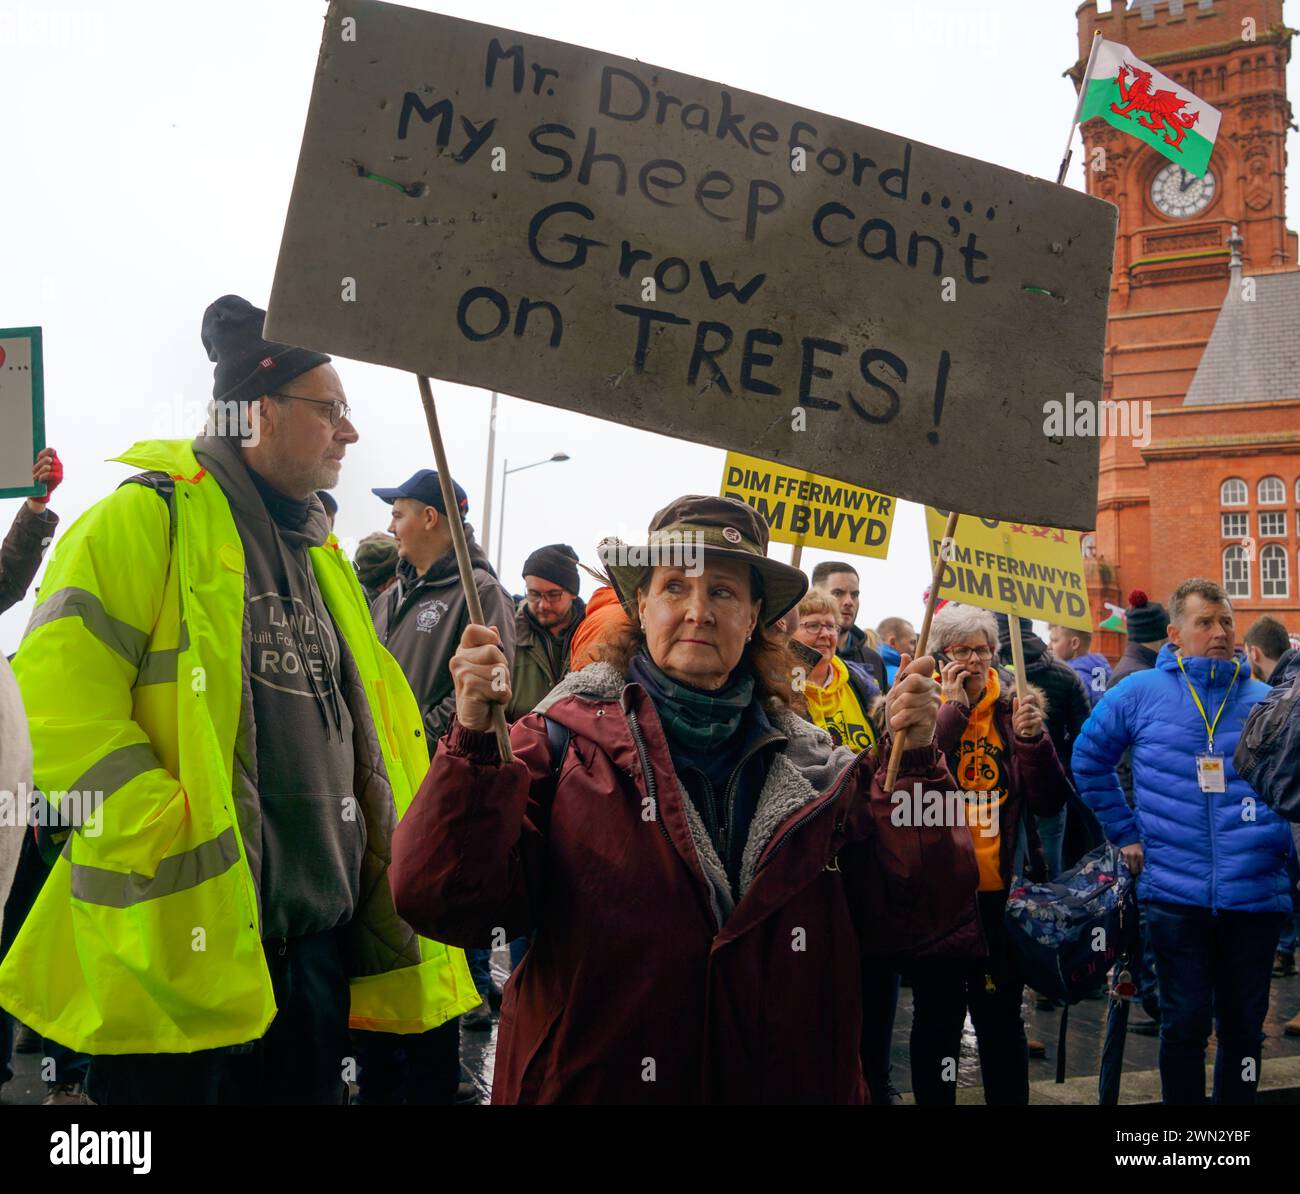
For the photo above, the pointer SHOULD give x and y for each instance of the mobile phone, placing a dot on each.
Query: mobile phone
(806, 655)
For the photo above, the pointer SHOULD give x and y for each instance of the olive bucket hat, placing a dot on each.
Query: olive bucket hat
(688, 529)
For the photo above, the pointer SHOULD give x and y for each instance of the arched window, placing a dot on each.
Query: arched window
(1271, 491)
(1297, 489)
(1273, 579)
(1232, 492)
(1088, 547)
(1236, 571)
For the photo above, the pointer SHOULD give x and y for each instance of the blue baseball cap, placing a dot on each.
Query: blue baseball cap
(425, 487)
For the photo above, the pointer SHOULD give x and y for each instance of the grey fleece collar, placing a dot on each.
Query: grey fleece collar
(803, 769)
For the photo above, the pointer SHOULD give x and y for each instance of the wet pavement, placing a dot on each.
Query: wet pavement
(1084, 1038)
(1086, 1034)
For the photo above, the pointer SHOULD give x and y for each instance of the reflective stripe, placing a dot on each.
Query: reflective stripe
(113, 889)
(159, 667)
(121, 637)
(118, 767)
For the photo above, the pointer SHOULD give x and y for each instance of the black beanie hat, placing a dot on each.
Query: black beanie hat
(1146, 620)
(557, 563)
(249, 367)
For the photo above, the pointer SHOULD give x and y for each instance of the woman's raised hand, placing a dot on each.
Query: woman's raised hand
(480, 675)
(912, 703)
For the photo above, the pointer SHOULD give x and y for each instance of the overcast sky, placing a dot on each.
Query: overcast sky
(149, 150)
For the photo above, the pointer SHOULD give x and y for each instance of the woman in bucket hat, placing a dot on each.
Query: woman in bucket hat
(701, 871)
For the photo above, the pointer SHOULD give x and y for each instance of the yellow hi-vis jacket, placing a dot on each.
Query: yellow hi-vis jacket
(145, 938)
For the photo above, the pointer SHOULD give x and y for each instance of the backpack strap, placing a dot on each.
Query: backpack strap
(165, 487)
(557, 738)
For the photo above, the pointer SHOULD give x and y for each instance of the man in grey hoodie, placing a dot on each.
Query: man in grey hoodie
(306, 747)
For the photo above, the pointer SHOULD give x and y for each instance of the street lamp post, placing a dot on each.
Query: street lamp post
(506, 470)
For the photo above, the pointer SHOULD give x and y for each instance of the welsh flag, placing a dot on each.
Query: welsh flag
(1136, 98)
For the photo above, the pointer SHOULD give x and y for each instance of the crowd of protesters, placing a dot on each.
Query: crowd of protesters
(306, 844)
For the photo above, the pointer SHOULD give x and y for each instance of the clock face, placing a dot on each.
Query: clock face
(1178, 194)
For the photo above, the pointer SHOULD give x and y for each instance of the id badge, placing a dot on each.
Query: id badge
(1210, 774)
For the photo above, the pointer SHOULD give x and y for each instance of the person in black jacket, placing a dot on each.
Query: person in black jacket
(840, 580)
(1067, 709)
(33, 529)
(1147, 624)
(1268, 647)
(1269, 650)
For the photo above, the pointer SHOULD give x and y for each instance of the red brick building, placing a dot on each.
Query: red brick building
(1204, 323)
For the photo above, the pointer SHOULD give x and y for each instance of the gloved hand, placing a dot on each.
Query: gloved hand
(48, 469)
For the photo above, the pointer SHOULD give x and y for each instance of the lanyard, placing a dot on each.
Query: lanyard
(1209, 725)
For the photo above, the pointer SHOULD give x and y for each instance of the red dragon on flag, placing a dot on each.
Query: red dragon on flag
(1164, 107)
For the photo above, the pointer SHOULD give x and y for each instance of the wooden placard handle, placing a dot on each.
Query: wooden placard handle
(922, 641)
(499, 726)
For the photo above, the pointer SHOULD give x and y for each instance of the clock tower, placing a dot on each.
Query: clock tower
(1173, 259)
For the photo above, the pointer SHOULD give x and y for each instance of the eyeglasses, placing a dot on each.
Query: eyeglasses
(554, 597)
(961, 654)
(339, 410)
(816, 628)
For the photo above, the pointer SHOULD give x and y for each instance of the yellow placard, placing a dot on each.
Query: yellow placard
(809, 509)
(1013, 567)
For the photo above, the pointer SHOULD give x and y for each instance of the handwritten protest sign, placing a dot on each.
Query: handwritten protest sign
(22, 410)
(610, 237)
(1013, 567)
(809, 509)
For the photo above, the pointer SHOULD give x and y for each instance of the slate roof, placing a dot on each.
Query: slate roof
(1254, 351)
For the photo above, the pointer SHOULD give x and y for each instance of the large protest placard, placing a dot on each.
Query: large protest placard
(810, 510)
(1013, 567)
(22, 410)
(614, 238)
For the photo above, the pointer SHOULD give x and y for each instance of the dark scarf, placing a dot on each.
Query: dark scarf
(288, 512)
(694, 718)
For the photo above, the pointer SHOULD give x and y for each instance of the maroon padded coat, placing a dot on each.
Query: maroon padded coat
(648, 979)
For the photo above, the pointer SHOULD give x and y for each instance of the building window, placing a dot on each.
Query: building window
(1297, 489)
(1271, 491)
(1272, 524)
(1088, 546)
(1236, 572)
(1235, 526)
(1232, 492)
(1273, 581)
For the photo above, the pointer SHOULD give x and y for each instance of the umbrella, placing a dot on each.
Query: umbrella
(1112, 1051)
(1122, 990)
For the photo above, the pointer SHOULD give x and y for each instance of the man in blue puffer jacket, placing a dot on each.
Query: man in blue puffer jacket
(1211, 856)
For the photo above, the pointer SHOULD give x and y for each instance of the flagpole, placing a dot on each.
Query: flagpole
(1083, 90)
